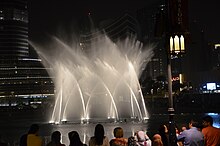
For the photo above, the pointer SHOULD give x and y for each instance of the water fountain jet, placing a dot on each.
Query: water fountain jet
(100, 85)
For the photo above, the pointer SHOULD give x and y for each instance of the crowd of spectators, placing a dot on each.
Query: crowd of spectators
(191, 134)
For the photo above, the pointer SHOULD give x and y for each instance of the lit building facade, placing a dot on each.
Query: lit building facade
(13, 29)
(22, 78)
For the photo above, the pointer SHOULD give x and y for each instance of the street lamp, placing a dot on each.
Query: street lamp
(175, 27)
(175, 47)
(172, 133)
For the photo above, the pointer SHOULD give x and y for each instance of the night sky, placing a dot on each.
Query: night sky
(49, 16)
(207, 16)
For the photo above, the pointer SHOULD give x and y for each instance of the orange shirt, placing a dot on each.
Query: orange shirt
(119, 142)
(211, 136)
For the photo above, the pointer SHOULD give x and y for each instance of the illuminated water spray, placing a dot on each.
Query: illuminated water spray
(99, 82)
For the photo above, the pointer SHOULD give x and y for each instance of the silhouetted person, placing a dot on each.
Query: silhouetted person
(99, 138)
(211, 134)
(32, 138)
(23, 140)
(163, 131)
(55, 139)
(75, 139)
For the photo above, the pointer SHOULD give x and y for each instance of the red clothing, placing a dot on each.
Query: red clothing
(211, 136)
(119, 142)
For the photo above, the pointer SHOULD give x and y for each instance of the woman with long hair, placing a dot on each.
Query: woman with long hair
(75, 139)
(55, 139)
(99, 139)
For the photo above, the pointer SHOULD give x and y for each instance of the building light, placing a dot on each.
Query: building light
(217, 46)
(181, 78)
(171, 45)
(177, 44)
(182, 43)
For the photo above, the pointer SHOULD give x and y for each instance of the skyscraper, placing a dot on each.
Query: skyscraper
(13, 29)
(22, 78)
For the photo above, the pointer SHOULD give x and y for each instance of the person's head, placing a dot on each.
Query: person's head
(207, 121)
(157, 140)
(156, 136)
(34, 128)
(99, 134)
(118, 132)
(99, 129)
(69, 134)
(193, 123)
(141, 136)
(56, 136)
(74, 138)
(183, 127)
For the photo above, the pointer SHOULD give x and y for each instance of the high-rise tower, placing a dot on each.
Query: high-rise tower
(22, 77)
(13, 29)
